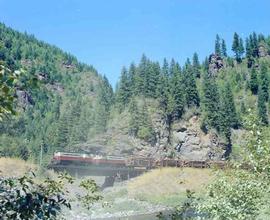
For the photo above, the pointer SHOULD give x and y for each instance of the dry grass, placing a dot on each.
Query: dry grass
(12, 167)
(169, 184)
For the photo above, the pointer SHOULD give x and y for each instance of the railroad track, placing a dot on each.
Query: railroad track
(67, 158)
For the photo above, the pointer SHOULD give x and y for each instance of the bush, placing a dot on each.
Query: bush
(23, 198)
(145, 133)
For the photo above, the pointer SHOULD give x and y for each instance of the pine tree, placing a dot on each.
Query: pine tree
(165, 68)
(249, 55)
(217, 45)
(134, 123)
(262, 110)
(230, 110)
(101, 118)
(132, 72)
(237, 47)
(211, 102)
(177, 91)
(191, 92)
(105, 94)
(206, 64)
(172, 68)
(142, 76)
(241, 48)
(264, 82)
(158, 83)
(254, 44)
(223, 48)
(253, 81)
(124, 92)
(145, 131)
(196, 65)
(62, 136)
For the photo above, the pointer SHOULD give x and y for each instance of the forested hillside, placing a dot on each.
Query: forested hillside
(198, 104)
(164, 109)
(60, 101)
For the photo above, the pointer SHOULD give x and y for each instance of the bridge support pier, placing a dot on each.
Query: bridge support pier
(109, 181)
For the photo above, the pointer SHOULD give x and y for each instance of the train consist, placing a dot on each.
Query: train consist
(64, 158)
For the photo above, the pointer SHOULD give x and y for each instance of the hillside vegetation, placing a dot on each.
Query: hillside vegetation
(67, 104)
(188, 111)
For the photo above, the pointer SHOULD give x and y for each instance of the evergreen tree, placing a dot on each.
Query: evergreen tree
(223, 48)
(229, 110)
(134, 123)
(165, 68)
(62, 136)
(264, 82)
(172, 68)
(253, 81)
(158, 83)
(124, 93)
(249, 55)
(238, 47)
(206, 64)
(241, 47)
(196, 65)
(262, 110)
(191, 92)
(254, 45)
(152, 79)
(211, 102)
(105, 94)
(145, 131)
(261, 38)
(101, 119)
(178, 95)
(142, 76)
(217, 45)
(132, 72)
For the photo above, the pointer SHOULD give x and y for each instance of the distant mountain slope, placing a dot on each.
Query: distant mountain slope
(66, 106)
(195, 111)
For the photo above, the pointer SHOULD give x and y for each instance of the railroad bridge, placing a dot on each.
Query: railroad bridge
(113, 167)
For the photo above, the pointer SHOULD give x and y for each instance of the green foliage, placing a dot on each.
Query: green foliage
(211, 102)
(191, 92)
(223, 48)
(134, 123)
(140, 123)
(238, 47)
(196, 65)
(234, 195)
(59, 111)
(229, 118)
(264, 82)
(262, 110)
(124, 92)
(254, 81)
(91, 195)
(240, 192)
(7, 83)
(217, 45)
(22, 198)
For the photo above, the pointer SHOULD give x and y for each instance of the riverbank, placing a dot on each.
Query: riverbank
(145, 196)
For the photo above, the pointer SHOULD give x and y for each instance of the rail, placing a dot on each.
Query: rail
(132, 162)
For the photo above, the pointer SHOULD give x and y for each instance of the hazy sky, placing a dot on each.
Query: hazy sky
(111, 33)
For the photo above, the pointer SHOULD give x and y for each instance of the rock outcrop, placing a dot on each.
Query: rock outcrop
(183, 139)
(215, 64)
(262, 50)
(192, 144)
(24, 99)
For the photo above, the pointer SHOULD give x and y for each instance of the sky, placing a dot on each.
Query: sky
(110, 34)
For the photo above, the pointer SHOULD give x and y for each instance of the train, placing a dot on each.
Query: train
(67, 158)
